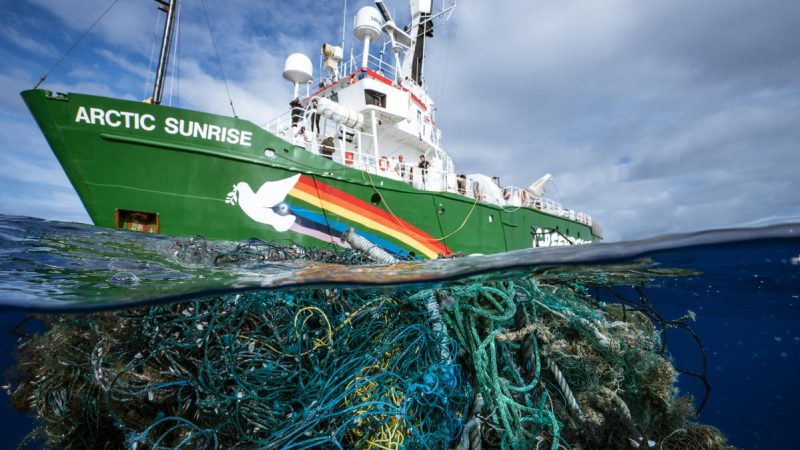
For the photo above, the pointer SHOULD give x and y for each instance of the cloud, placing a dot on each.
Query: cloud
(126, 24)
(28, 43)
(699, 99)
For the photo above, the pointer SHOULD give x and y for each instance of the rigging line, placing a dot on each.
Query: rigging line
(398, 221)
(219, 60)
(85, 33)
(177, 55)
(152, 52)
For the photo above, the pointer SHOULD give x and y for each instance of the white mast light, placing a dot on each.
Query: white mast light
(299, 70)
(367, 28)
(424, 6)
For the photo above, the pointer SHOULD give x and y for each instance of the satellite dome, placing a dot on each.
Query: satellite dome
(298, 69)
(368, 23)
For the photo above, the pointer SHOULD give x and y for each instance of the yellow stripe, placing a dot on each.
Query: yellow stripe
(306, 197)
(369, 223)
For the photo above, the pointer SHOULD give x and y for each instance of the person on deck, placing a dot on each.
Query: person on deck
(303, 135)
(327, 147)
(296, 111)
(423, 166)
(314, 117)
(400, 167)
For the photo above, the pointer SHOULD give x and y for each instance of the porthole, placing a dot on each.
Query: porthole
(269, 153)
(491, 218)
(376, 199)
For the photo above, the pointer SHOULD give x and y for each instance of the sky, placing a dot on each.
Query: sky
(653, 117)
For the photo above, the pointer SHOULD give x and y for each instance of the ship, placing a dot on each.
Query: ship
(357, 151)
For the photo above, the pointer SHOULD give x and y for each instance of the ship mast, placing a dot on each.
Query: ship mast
(166, 45)
(421, 27)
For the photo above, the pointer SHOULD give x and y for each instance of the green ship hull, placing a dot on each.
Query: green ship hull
(178, 172)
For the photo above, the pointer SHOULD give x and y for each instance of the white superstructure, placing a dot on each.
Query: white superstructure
(374, 114)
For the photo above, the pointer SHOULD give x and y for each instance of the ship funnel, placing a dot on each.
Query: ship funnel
(298, 70)
(538, 186)
(333, 56)
(367, 28)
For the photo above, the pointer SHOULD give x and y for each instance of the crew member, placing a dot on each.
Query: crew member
(303, 134)
(423, 165)
(314, 117)
(297, 111)
(327, 147)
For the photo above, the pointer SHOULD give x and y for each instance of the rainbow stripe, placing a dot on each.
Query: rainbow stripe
(367, 216)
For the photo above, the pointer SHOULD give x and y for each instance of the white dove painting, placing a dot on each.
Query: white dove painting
(264, 205)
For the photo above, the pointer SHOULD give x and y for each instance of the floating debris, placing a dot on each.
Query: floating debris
(515, 364)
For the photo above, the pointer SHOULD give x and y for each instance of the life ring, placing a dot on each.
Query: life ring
(383, 163)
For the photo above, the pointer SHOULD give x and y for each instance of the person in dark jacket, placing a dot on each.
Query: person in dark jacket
(423, 166)
(297, 111)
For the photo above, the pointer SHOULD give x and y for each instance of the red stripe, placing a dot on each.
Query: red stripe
(380, 77)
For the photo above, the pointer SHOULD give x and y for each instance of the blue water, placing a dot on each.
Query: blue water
(742, 285)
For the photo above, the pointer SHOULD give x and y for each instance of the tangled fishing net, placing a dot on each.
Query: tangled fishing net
(515, 365)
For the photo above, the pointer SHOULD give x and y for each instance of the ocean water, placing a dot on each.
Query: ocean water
(726, 305)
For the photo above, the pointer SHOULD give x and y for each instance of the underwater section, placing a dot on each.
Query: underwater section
(512, 364)
(143, 342)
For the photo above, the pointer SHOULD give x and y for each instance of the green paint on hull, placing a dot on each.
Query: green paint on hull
(129, 156)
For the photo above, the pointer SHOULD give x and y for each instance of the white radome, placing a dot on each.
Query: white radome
(368, 23)
(298, 69)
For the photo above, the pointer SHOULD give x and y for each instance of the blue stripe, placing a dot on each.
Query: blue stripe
(340, 228)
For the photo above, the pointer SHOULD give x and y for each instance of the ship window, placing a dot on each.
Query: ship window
(376, 199)
(375, 98)
(146, 222)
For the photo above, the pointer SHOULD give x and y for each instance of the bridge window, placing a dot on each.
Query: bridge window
(375, 98)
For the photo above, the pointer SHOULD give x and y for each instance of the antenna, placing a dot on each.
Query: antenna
(383, 10)
(344, 26)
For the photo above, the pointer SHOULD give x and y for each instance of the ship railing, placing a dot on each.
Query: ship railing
(514, 196)
(348, 143)
(378, 64)
(353, 148)
(517, 197)
(281, 126)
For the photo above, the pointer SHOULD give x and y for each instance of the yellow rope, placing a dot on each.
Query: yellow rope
(395, 218)
(317, 342)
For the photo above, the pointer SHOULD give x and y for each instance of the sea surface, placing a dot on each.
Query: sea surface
(741, 286)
